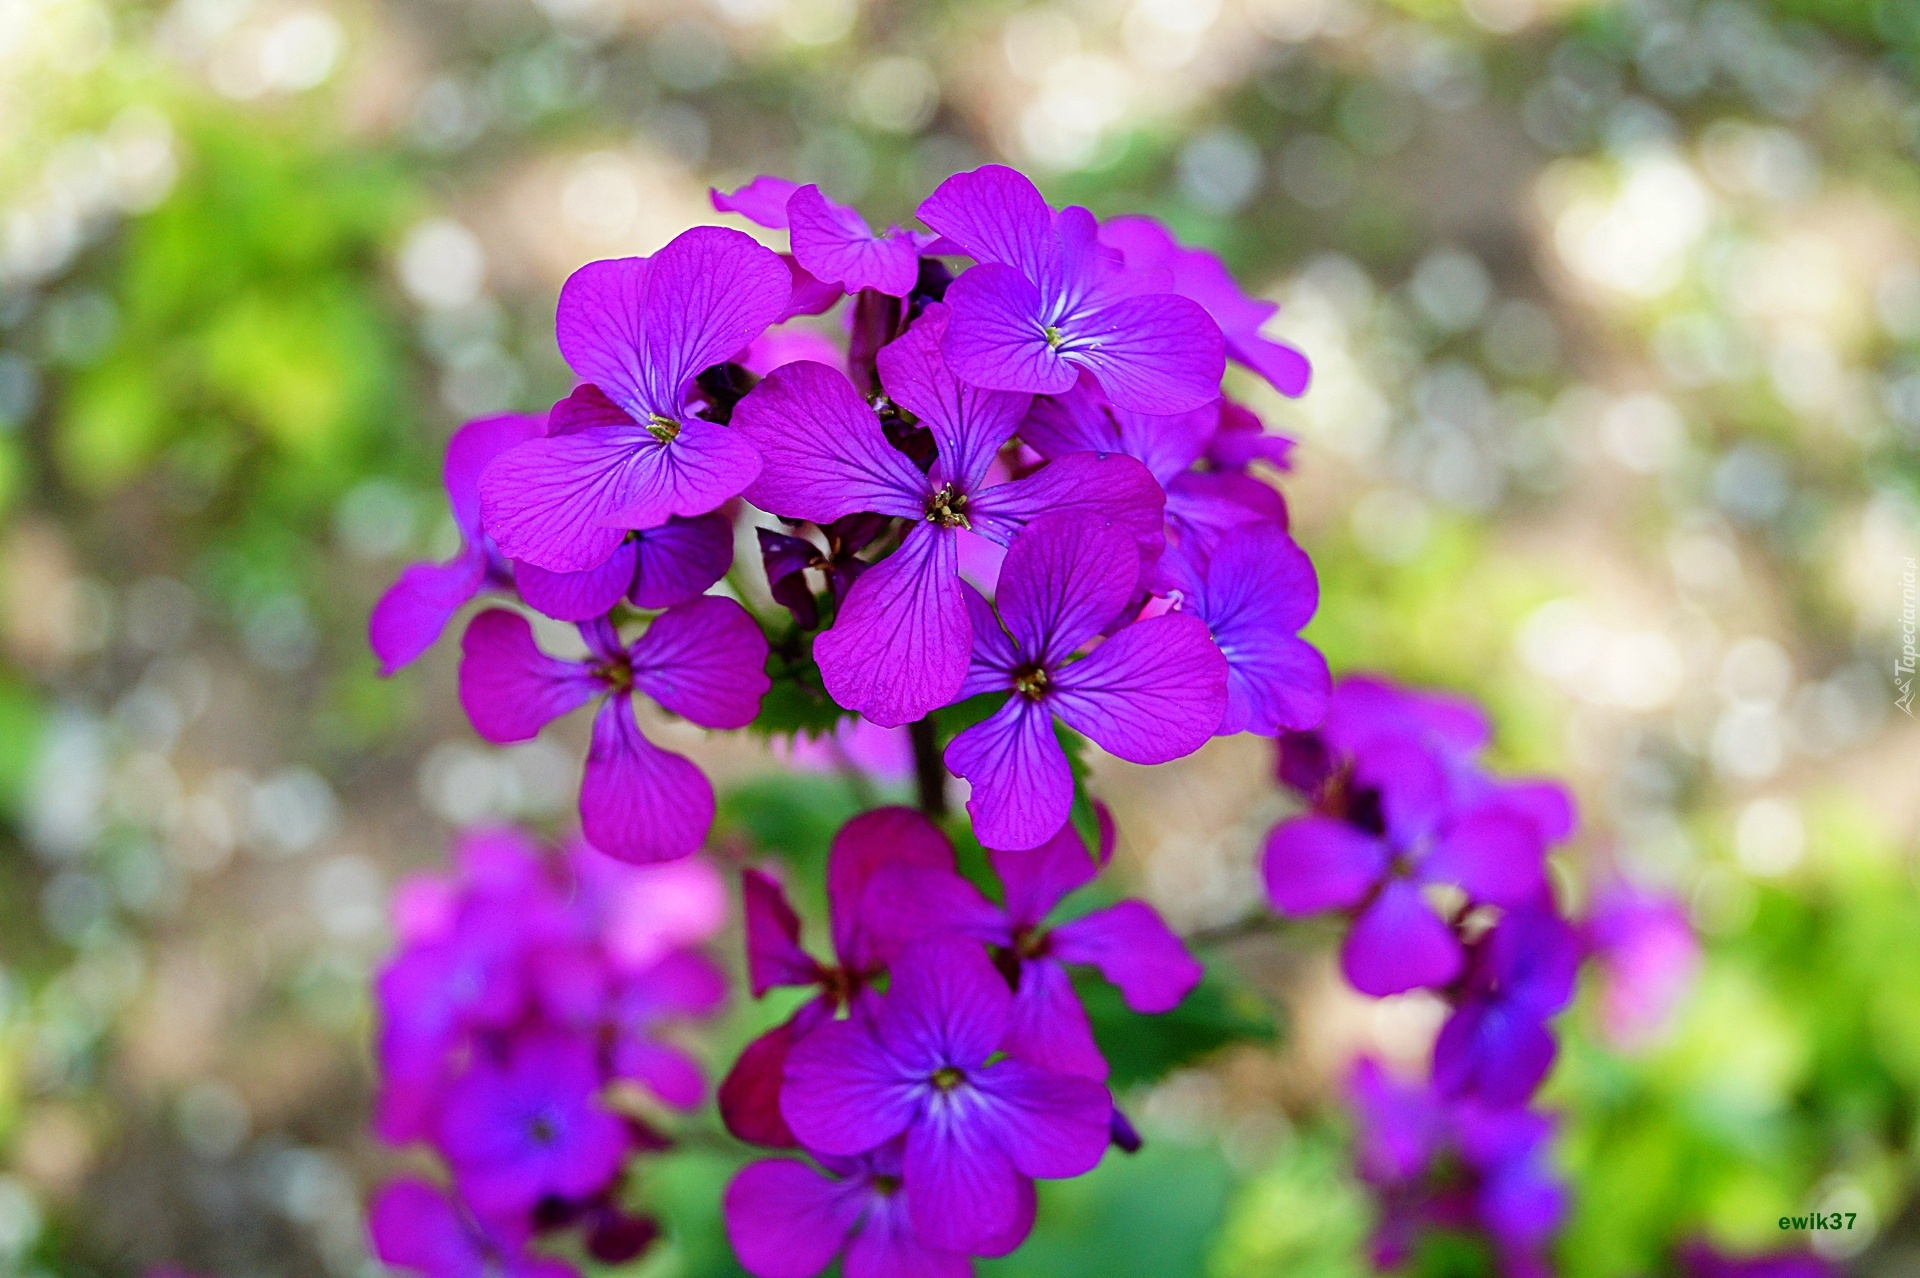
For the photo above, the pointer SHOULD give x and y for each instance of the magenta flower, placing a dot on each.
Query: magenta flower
(787, 1220)
(627, 449)
(1255, 592)
(1647, 954)
(1127, 943)
(531, 1127)
(1496, 1047)
(923, 1065)
(684, 985)
(750, 1094)
(417, 607)
(415, 1226)
(1152, 692)
(1242, 439)
(703, 660)
(1047, 301)
(653, 568)
(1198, 274)
(1404, 835)
(1702, 1260)
(899, 646)
(831, 242)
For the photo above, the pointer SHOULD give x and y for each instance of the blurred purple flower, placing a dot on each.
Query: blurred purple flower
(1150, 693)
(1400, 835)
(1702, 1260)
(923, 1066)
(1647, 955)
(1496, 1045)
(703, 660)
(415, 1226)
(415, 609)
(1047, 300)
(627, 450)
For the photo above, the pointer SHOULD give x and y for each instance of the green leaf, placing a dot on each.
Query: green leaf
(1140, 1048)
(798, 701)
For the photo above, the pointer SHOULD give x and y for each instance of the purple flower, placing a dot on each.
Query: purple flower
(1255, 592)
(1242, 439)
(896, 837)
(831, 242)
(417, 607)
(684, 985)
(1127, 943)
(900, 644)
(415, 1226)
(531, 1127)
(1364, 707)
(787, 1220)
(1496, 1046)
(703, 660)
(1047, 301)
(653, 568)
(1153, 691)
(1404, 835)
(1647, 954)
(627, 449)
(923, 1065)
(1198, 274)
(1454, 1164)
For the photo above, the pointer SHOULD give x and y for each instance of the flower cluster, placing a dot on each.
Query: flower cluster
(945, 1061)
(519, 1036)
(1056, 405)
(1017, 486)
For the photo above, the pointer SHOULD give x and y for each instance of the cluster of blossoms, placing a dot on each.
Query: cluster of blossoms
(1016, 485)
(520, 1039)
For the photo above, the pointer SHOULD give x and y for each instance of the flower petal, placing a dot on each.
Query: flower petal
(1035, 881)
(883, 837)
(705, 660)
(994, 214)
(1153, 692)
(786, 1220)
(749, 1096)
(966, 1194)
(843, 1093)
(1132, 947)
(1050, 1028)
(639, 803)
(578, 596)
(508, 687)
(774, 956)
(885, 1245)
(908, 903)
(707, 464)
(671, 1074)
(642, 329)
(680, 559)
(824, 453)
(1153, 353)
(1022, 786)
(548, 501)
(763, 200)
(471, 449)
(1116, 490)
(1398, 944)
(1493, 1051)
(1495, 855)
(946, 1004)
(1083, 421)
(997, 334)
(901, 642)
(1064, 579)
(414, 611)
(1051, 1125)
(995, 658)
(834, 243)
(969, 424)
(1315, 863)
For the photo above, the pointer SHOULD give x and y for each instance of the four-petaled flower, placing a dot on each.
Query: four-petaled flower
(1153, 691)
(703, 660)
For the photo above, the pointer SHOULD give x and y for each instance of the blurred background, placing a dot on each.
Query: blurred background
(1614, 308)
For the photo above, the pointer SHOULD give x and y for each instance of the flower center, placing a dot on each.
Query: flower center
(946, 1078)
(886, 1186)
(664, 429)
(543, 1129)
(617, 675)
(1054, 338)
(1031, 682)
(948, 508)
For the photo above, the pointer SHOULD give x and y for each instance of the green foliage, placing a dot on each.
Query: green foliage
(1140, 1049)
(797, 703)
